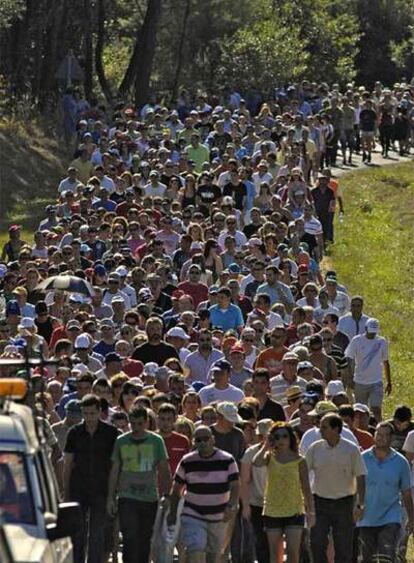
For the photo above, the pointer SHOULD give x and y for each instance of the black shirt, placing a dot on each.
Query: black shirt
(91, 459)
(231, 442)
(237, 191)
(158, 353)
(272, 409)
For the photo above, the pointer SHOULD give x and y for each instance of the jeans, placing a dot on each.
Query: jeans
(336, 515)
(89, 542)
(379, 540)
(136, 520)
(260, 537)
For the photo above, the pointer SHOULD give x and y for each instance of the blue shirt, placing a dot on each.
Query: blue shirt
(228, 319)
(385, 481)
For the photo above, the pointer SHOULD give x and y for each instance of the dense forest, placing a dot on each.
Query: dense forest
(134, 49)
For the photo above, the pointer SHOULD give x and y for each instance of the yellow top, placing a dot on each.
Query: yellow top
(283, 493)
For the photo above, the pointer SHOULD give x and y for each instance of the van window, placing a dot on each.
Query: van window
(16, 502)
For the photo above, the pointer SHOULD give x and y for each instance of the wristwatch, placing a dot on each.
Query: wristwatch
(361, 506)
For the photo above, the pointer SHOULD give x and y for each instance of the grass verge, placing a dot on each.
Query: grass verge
(373, 258)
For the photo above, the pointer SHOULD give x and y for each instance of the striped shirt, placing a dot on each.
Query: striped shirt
(207, 482)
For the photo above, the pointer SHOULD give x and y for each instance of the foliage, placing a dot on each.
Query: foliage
(9, 11)
(263, 56)
(371, 244)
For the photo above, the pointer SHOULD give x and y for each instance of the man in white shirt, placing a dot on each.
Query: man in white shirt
(370, 354)
(353, 323)
(221, 389)
(314, 434)
(71, 182)
(262, 175)
(105, 181)
(155, 188)
(231, 230)
(339, 473)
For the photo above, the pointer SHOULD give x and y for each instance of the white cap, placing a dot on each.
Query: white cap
(178, 332)
(229, 411)
(372, 326)
(27, 322)
(360, 407)
(122, 271)
(334, 387)
(82, 341)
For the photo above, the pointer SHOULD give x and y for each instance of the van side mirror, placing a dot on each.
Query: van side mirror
(67, 524)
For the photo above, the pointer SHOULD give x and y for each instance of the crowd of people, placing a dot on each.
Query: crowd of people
(213, 370)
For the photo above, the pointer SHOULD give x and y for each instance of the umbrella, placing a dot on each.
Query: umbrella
(67, 283)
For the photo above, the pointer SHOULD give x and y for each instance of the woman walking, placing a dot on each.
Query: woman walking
(287, 495)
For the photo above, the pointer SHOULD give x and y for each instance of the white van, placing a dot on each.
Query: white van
(36, 527)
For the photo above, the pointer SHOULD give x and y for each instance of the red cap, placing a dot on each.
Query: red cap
(177, 293)
(14, 228)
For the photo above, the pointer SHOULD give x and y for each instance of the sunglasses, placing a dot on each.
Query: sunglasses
(200, 440)
(204, 340)
(279, 435)
(248, 339)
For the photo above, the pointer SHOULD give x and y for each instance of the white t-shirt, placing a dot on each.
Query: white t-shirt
(314, 435)
(155, 191)
(210, 394)
(369, 355)
(258, 474)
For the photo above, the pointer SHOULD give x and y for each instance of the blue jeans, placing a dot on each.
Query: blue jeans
(379, 540)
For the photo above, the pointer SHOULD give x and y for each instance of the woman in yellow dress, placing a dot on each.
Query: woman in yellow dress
(287, 497)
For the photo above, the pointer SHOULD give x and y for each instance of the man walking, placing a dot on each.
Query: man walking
(339, 472)
(370, 354)
(138, 458)
(388, 480)
(87, 463)
(210, 478)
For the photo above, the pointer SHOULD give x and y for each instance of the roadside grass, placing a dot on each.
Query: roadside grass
(373, 257)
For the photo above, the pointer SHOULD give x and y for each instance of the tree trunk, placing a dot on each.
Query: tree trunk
(147, 51)
(180, 50)
(88, 48)
(100, 41)
(140, 64)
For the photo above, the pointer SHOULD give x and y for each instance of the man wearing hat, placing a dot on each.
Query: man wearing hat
(178, 338)
(114, 290)
(221, 388)
(73, 416)
(369, 351)
(51, 221)
(314, 434)
(239, 371)
(287, 378)
(294, 395)
(154, 187)
(82, 347)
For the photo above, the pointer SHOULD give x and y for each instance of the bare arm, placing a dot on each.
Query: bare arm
(306, 490)
(245, 479)
(262, 456)
(165, 477)
(387, 370)
(408, 503)
(175, 495)
(112, 487)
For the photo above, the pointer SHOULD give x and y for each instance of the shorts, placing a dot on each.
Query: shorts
(277, 524)
(200, 535)
(367, 134)
(371, 395)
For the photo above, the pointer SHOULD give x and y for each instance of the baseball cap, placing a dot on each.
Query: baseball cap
(229, 411)
(73, 407)
(177, 332)
(234, 268)
(372, 326)
(26, 322)
(263, 426)
(144, 294)
(107, 323)
(222, 364)
(112, 357)
(12, 308)
(122, 271)
(305, 365)
(162, 372)
(360, 407)
(254, 242)
(73, 324)
(323, 407)
(334, 387)
(82, 341)
(150, 368)
(14, 228)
